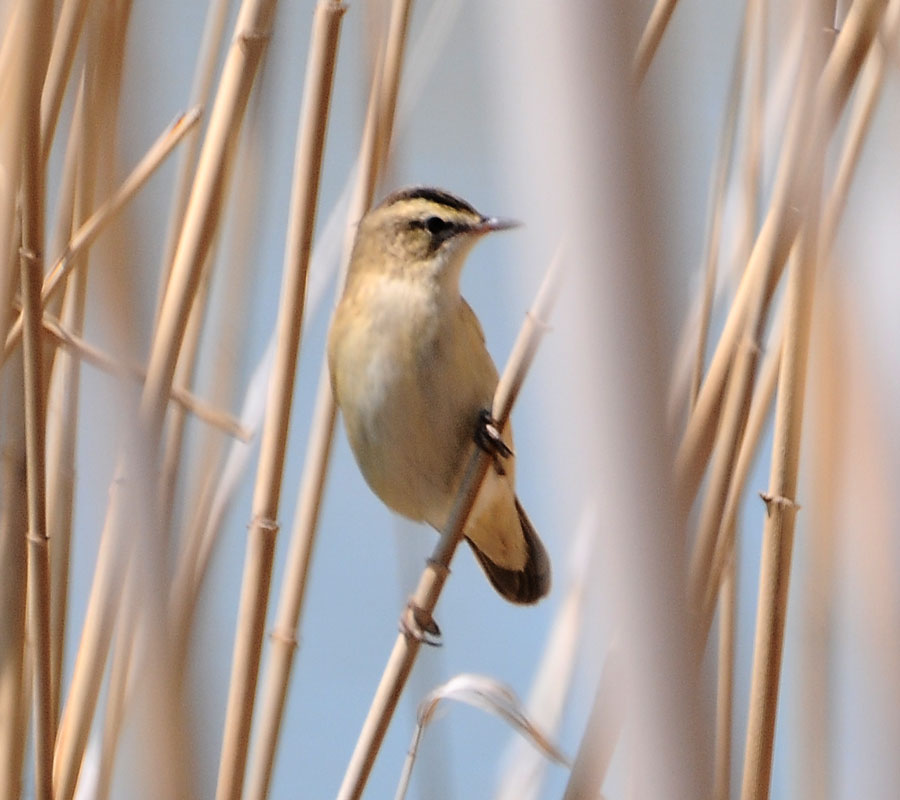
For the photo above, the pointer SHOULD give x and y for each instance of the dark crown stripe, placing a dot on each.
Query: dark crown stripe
(431, 195)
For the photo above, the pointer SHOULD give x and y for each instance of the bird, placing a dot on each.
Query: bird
(414, 381)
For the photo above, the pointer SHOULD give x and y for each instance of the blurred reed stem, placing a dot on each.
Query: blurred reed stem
(651, 37)
(72, 14)
(201, 91)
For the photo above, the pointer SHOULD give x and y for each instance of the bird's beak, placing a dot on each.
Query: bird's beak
(489, 224)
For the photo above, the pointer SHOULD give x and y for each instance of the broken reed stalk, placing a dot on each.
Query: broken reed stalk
(201, 221)
(312, 127)
(431, 583)
(36, 52)
(88, 232)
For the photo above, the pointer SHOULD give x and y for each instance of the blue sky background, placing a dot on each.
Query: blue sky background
(461, 135)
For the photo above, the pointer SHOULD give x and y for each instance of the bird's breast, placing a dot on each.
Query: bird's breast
(411, 385)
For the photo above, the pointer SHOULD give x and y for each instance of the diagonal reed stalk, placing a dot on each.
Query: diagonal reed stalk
(814, 119)
(224, 421)
(774, 240)
(871, 82)
(651, 37)
(406, 647)
(92, 227)
(65, 42)
(264, 526)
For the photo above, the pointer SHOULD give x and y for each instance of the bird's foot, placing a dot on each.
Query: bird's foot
(417, 623)
(487, 437)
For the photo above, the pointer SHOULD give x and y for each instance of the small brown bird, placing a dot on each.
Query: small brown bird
(415, 382)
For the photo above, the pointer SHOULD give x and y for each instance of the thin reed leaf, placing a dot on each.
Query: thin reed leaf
(487, 694)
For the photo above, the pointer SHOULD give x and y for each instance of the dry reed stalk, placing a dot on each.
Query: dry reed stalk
(779, 527)
(312, 127)
(863, 19)
(871, 81)
(88, 232)
(13, 86)
(201, 218)
(734, 418)
(776, 236)
(65, 43)
(431, 583)
(651, 37)
(756, 420)
(284, 642)
(725, 683)
(13, 561)
(36, 49)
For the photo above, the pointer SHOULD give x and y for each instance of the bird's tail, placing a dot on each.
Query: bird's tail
(520, 586)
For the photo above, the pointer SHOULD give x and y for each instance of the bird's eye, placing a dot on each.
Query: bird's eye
(436, 225)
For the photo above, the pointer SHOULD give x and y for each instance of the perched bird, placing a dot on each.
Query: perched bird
(415, 383)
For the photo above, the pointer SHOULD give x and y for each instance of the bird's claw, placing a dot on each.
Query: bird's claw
(487, 437)
(416, 623)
